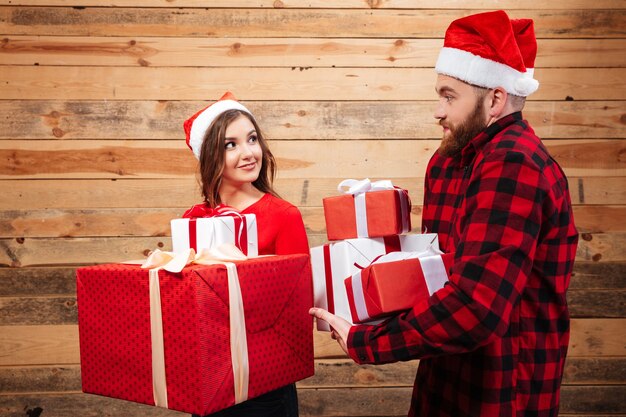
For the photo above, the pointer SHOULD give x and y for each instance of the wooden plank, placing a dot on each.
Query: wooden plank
(19, 252)
(278, 52)
(156, 221)
(590, 401)
(72, 404)
(329, 373)
(30, 282)
(295, 159)
(597, 247)
(100, 222)
(597, 337)
(597, 303)
(184, 192)
(593, 399)
(61, 310)
(39, 345)
(28, 311)
(304, 23)
(58, 344)
(146, 83)
(153, 120)
(324, 4)
(61, 280)
(595, 219)
(33, 252)
(598, 275)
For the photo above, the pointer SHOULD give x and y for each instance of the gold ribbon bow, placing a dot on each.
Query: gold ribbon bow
(175, 262)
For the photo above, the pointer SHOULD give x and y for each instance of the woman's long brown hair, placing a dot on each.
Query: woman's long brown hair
(212, 158)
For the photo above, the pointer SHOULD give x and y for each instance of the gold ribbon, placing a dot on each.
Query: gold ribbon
(175, 262)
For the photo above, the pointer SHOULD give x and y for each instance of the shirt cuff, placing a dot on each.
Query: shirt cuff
(358, 346)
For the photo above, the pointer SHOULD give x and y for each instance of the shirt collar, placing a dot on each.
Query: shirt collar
(475, 145)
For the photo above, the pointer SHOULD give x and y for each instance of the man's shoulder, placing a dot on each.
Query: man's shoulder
(520, 138)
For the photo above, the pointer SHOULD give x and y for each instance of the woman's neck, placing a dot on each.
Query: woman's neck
(239, 197)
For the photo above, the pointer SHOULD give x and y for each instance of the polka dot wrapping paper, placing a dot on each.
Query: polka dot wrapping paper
(115, 339)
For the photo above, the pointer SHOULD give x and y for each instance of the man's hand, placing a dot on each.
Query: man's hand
(339, 326)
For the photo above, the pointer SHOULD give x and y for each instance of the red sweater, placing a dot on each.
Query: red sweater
(280, 226)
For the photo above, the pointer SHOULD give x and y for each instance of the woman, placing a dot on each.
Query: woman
(237, 170)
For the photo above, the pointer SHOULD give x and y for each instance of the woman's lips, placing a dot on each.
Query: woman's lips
(248, 167)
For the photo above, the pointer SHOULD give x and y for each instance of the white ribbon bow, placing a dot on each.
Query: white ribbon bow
(175, 262)
(358, 188)
(362, 186)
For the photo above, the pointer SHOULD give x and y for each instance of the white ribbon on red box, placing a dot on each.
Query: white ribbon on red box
(175, 262)
(358, 188)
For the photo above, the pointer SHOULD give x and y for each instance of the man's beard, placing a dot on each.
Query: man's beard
(462, 134)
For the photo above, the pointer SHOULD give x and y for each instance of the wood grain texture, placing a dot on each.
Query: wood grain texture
(329, 373)
(62, 310)
(312, 23)
(307, 120)
(52, 159)
(182, 193)
(325, 4)
(23, 345)
(146, 83)
(61, 280)
(20, 252)
(586, 401)
(156, 221)
(278, 52)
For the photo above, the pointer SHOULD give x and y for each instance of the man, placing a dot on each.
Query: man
(493, 341)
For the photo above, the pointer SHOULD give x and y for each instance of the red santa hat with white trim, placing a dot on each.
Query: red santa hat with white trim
(524, 31)
(483, 50)
(198, 124)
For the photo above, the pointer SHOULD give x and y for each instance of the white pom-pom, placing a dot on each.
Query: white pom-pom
(525, 86)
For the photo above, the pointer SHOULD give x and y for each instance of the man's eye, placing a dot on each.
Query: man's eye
(448, 98)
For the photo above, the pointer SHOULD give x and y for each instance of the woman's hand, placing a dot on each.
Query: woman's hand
(339, 326)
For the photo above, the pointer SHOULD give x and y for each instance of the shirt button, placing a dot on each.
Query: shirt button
(362, 358)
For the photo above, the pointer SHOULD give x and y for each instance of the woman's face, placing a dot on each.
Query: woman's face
(242, 153)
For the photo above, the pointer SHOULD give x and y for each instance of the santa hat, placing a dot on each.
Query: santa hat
(197, 125)
(482, 50)
(524, 32)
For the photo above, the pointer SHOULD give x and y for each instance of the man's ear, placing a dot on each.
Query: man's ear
(497, 102)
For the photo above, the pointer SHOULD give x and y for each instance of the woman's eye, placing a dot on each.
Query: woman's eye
(229, 145)
(253, 139)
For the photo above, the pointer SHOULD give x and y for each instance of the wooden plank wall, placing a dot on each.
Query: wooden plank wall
(93, 165)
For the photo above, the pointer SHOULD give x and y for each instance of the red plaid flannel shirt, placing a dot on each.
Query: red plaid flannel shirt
(493, 341)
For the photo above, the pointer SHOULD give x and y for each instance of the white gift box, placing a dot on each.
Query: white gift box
(333, 262)
(209, 232)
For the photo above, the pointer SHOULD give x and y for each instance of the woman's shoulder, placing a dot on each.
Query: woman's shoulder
(273, 203)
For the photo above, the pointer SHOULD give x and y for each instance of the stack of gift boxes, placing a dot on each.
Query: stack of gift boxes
(208, 325)
(373, 267)
(193, 330)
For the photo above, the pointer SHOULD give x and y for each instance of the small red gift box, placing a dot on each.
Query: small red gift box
(117, 344)
(334, 262)
(395, 282)
(380, 210)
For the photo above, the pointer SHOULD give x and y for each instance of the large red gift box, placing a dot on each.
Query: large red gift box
(333, 262)
(115, 331)
(395, 282)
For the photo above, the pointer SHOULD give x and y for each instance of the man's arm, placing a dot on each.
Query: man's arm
(493, 260)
